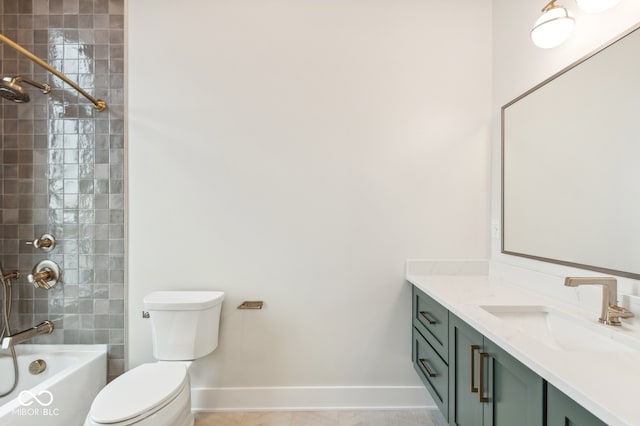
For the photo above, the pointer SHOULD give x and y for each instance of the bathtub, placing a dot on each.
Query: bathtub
(59, 396)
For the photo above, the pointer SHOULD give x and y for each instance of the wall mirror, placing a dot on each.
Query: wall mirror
(571, 164)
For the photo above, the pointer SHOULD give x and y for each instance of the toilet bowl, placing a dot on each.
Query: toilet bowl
(151, 394)
(184, 327)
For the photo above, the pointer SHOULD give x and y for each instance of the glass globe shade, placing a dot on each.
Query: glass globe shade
(553, 28)
(596, 6)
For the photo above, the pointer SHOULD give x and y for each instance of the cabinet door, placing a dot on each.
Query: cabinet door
(563, 411)
(465, 344)
(514, 393)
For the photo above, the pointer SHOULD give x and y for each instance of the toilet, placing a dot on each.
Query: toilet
(184, 327)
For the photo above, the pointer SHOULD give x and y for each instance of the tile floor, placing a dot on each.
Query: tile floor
(323, 418)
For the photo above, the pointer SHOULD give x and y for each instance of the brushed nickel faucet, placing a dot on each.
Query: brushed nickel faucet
(611, 312)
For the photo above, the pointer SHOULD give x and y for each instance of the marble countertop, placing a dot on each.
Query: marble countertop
(604, 382)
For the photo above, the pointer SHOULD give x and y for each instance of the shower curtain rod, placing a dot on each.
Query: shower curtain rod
(99, 104)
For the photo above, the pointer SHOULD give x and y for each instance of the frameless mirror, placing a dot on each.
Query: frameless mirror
(571, 164)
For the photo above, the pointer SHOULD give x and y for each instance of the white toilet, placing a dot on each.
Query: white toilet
(184, 327)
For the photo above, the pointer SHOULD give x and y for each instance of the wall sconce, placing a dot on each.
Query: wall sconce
(556, 23)
(596, 6)
(554, 26)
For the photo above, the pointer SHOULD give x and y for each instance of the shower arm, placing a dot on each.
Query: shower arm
(99, 104)
(45, 88)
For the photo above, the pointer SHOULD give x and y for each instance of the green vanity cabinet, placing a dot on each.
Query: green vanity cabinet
(474, 382)
(487, 386)
(431, 347)
(471, 379)
(564, 411)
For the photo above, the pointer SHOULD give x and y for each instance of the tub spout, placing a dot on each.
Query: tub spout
(45, 327)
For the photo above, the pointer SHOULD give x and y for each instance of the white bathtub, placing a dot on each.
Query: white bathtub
(59, 396)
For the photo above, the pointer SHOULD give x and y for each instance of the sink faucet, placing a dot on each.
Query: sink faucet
(611, 312)
(45, 327)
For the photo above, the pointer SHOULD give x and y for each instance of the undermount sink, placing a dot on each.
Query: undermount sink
(558, 330)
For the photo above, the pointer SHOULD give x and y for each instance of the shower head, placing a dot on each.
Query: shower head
(11, 89)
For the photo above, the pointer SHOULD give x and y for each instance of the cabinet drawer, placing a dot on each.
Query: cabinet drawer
(432, 320)
(433, 371)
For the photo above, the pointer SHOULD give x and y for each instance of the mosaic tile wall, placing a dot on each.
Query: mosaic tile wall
(63, 169)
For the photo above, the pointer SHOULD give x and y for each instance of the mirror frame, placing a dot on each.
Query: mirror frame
(502, 166)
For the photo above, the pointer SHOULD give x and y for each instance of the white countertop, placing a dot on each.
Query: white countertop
(606, 383)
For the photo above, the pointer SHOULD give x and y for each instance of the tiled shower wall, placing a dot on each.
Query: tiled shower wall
(63, 169)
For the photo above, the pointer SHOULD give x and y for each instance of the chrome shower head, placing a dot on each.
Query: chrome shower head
(11, 89)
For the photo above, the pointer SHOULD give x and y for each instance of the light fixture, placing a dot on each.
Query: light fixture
(596, 6)
(554, 26)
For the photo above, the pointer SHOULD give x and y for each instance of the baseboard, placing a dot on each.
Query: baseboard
(310, 398)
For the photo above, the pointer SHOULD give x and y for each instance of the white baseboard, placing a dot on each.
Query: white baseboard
(310, 398)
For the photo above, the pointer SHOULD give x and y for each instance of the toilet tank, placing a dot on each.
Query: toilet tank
(184, 324)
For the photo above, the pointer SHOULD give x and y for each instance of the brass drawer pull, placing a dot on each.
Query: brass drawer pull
(482, 398)
(426, 368)
(474, 348)
(426, 316)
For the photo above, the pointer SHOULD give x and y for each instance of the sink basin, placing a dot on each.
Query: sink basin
(558, 330)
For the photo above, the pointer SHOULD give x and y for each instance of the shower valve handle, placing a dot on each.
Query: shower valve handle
(45, 243)
(40, 280)
(46, 274)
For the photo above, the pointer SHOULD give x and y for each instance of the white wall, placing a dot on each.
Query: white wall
(297, 152)
(518, 66)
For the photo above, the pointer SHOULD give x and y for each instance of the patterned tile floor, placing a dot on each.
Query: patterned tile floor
(322, 418)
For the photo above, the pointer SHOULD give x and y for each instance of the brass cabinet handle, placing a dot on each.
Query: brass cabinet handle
(426, 316)
(426, 368)
(474, 348)
(483, 356)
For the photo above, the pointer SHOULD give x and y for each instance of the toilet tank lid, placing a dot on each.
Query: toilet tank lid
(182, 300)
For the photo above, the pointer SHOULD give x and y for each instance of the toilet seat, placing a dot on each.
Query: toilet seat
(139, 392)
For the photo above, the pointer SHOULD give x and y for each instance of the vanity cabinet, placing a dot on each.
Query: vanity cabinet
(487, 386)
(431, 347)
(563, 411)
(474, 382)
